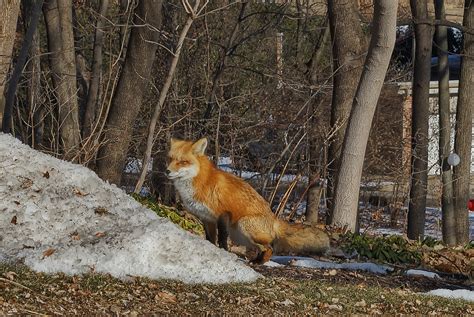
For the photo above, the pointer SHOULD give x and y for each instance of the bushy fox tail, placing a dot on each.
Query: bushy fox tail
(299, 239)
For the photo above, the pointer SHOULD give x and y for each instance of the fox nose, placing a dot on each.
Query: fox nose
(168, 172)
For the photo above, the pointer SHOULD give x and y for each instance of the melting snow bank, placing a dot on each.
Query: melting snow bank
(455, 294)
(312, 263)
(61, 217)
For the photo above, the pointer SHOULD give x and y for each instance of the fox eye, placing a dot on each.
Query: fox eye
(183, 162)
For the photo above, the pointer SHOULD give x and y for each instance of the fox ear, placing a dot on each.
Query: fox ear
(199, 147)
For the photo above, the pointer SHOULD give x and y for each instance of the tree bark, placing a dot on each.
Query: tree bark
(130, 90)
(58, 17)
(20, 63)
(35, 106)
(9, 10)
(93, 94)
(463, 137)
(420, 115)
(348, 57)
(441, 37)
(346, 198)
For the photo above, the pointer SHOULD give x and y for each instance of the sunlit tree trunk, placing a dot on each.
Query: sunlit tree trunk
(346, 195)
(348, 47)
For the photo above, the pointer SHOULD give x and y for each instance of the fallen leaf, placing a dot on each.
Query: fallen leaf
(14, 220)
(101, 211)
(362, 303)
(166, 296)
(26, 183)
(75, 236)
(16, 202)
(10, 275)
(46, 175)
(100, 234)
(78, 192)
(48, 252)
(335, 307)
(333, 272)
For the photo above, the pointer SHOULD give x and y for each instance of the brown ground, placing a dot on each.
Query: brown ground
(283, 291)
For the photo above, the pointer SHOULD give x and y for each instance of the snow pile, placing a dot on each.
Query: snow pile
(315, 264)
(61, 217)
(455, 294)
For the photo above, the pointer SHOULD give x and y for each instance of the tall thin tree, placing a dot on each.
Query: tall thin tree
(348, 47)
(420, 116)
(20, 63)
(441, 37)
(9, 11)
(463, 137)
(346, 196)
(62, 58)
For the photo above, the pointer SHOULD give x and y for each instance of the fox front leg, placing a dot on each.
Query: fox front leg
(211, 231)
(222, 230)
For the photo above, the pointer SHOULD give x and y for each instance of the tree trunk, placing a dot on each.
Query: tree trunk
(131, 87)
(9, 10)
(20, 63)
(35, 106)
(463, 138)
(348, 57)
(93, 94)
(420, 115)
(317, 164)
(346, 198)
(449, 231)
(58, 17)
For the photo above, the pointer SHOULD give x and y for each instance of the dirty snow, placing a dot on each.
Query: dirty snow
(455, 294)
(316, 264)
(429, 274)
(61, 217)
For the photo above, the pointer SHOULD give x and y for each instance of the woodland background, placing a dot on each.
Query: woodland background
(270, 83)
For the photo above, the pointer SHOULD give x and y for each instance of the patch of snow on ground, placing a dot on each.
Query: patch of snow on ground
(315, 264)
(422, 273)
(456, 294)
(61, 217)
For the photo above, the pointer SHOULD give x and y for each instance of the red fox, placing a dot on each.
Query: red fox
(226, 203)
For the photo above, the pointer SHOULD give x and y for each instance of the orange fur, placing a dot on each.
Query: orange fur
(212, 194)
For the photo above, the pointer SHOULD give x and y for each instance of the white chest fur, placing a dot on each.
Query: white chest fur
(186, 192)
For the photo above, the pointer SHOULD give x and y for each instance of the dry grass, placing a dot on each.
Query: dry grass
(282, 292)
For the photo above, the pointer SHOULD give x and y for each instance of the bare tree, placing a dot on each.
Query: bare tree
(463, 138)
(93, 94)
(441, 36)
(420, 115)
(58, 18)
(15, 78)
(348, 47)
(346, 196)
(9, 11)
(130, 89)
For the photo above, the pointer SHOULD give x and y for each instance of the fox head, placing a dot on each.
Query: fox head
(183, 158)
